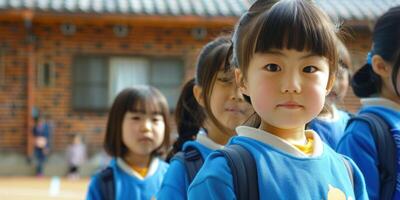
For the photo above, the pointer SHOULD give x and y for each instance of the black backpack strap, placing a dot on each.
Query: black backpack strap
(386, 150)
(349, 169)
(192, 160)
(244, 171)
(107, 185)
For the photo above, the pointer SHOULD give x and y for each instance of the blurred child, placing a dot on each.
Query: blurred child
(76, 156)
(377, 83)
(41, 132)
(208, 110)
(331, 122)
(137, 133)
(287, 58)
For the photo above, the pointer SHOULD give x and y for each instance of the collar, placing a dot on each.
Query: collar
(127, 169)
(279, 143)
(377, 101)
(203, 139)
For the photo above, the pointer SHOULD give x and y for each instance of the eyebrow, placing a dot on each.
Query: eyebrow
(279, 53)
(145, 112)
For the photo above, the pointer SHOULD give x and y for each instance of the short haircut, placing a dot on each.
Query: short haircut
(144, 99)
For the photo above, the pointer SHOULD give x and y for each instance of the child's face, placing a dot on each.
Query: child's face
(142, 133)
(226, 101)
(287, 87)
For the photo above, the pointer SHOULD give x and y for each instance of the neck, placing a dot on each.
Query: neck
(294, 136)
(327, 112)
(216, 134)
(137, 160)
(386, 93)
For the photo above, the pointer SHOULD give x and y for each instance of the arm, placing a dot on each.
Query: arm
(358, 144)
(94, 192)
(214, 180)
(175, 183)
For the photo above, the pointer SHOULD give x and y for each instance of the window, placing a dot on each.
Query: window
(46, 74)
(90, 83)
(117, 73)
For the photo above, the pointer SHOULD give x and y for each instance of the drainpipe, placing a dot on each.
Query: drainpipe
(30, 83)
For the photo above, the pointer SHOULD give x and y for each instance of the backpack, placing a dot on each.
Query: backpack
(239, 161)
(107, 184)
(191, 159)
(386, 150)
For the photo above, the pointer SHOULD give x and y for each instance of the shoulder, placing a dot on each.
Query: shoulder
(215, 167)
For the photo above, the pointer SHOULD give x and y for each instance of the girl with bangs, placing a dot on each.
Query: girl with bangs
(377, 83)
(208, 110)
(137, 134)
(287, 58)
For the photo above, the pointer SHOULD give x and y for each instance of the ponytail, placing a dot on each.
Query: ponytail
(189, 117)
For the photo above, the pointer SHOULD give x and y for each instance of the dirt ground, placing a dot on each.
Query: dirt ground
(42, 188)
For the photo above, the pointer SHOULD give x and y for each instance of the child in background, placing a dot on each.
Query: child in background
(287, 57)
(42, 134)
(76, 156)
(377, 83)
(137, 133)
(208, 110)
(331, 122)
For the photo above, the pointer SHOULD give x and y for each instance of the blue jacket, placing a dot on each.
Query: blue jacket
(176, 182)
(333, 130)
(358, 143)
(128, 184)
(283, 171)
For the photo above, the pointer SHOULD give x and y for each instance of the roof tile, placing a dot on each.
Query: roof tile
(338, 9)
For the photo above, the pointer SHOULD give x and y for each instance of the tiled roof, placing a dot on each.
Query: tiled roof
(343, 9)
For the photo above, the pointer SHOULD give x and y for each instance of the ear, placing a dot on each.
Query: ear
(197, 92)
(240, 81)
(331, 83)
(380, 67)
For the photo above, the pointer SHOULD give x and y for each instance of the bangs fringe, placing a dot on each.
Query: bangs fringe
(293, 25)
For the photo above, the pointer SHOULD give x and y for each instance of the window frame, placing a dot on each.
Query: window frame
(107, 58)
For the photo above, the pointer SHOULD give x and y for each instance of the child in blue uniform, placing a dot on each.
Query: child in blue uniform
(287, 58)
(331, 122)
(137, 133)
(212, 93)
(377, 84)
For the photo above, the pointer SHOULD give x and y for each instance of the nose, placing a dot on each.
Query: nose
(291, 83)
(236, 94)
(146, 126)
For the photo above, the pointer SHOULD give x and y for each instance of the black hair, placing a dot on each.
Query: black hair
(386, 42)
(189, 116)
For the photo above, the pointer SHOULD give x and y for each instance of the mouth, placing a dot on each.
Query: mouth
(290, 105)
(145, 139)
(234, 110)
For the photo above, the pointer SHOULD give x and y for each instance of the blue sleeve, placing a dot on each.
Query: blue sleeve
(175, 183)
(359, 187)
(213, 181)
(359, 145)
(94, 192)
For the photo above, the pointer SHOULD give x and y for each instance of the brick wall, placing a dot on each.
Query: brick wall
(52, 46)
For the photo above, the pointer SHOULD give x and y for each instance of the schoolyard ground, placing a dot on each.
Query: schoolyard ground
(42, 188)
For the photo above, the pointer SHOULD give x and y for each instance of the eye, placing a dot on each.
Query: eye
(136, 117)
(157, 118)
(225, 79)
(310, 69)
(273, 68)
